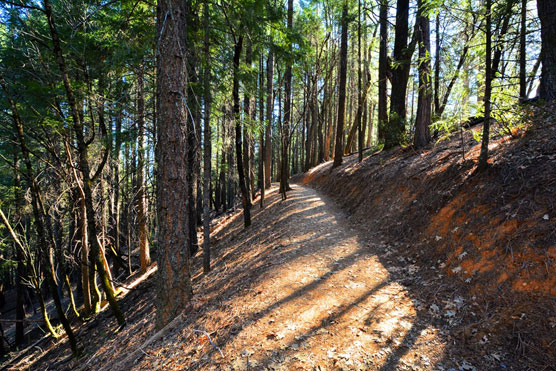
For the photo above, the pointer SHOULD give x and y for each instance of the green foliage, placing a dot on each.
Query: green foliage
(445, 127)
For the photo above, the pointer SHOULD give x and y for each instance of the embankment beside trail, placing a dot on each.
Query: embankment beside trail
(491, 236)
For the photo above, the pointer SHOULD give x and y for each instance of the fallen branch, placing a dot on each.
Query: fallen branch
(210, 341)
(21, 320)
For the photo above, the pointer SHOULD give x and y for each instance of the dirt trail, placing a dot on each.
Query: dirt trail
(327, 300)
(301, 289)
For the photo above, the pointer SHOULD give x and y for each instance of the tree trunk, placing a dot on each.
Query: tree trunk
(339, 147)
(262, 149)
(359, 117)
(141, 199)
(463, 56)
(534, 74)
(547, 16)
(437, 67)
(382, 72)
(523, 52)
(114, 231)
(207, 144)
(400, 76)
(284, 186)
(20, 275)
(488, 88)
(173, 126)
(269, 109)
(424, 102)
(246, 198)
(247, 136)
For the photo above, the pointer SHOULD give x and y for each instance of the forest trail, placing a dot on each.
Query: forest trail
(303, 288)
(318, 296)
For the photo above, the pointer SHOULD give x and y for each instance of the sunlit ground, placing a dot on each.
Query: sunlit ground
(324, 300)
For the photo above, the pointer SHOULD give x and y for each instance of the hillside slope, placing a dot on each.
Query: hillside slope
(404, 261)
(490, 237)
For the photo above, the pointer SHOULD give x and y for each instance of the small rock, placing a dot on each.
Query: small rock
(450, 313)
(247, 353)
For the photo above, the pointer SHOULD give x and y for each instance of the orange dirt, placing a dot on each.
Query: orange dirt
(493, 234)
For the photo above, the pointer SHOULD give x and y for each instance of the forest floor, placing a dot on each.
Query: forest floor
(300, 289)
(406, 261)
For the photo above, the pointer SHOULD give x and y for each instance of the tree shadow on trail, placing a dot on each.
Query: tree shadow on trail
(244, 276)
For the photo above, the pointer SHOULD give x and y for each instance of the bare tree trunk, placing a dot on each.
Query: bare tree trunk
(371, 124)
(247, 136)
(400, 76)
(262, 148)
(547, 16)
(115, 197)
(523, 52)
(269, 109)
(87, 300)
(325, 109)
(237, 120)
(437, 67)
(357, 119)
(284, 186)
(173, 126)
(141, 199)
(382, 72)
(534, 74)
(207, 144)
(339, 147)
(20, 275)
(488, 88)
(424, 102)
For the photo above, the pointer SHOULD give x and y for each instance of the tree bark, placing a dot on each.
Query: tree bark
(207, 144)
(247, 136)
(400, 76)
(20, 274)
(382, 72)
(482, 165)
(339, 147)
(246, 198)
(437, 67)
(284, 186)
(424, 101)
(547, 16)
(269, 109)
(262, 149)
(359, 118)
(523, 52)
(145, 255)
(114, 218)
(173, 126)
